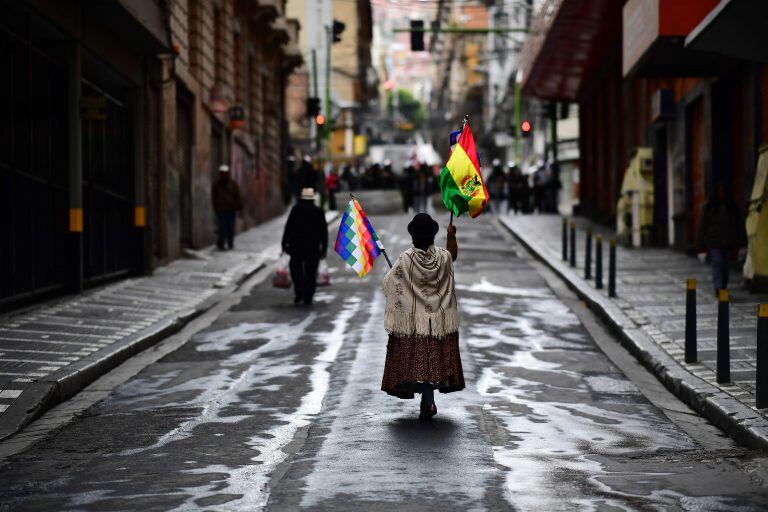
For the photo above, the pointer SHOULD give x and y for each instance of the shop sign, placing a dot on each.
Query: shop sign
(219, 104)
(93, 107)
(640, 30)
(236, 117)
(361, 145)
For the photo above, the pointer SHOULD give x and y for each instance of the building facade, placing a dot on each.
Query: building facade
(114, 119)
(643, 80)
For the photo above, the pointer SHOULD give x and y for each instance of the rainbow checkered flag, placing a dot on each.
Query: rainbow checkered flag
(357, 243)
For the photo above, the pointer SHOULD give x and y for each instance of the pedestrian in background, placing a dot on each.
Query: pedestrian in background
(305, 240)
(332, 185)
(406, 183)
(422, 319)
(721, 234)
(519, 192)
(423, 188)
(308, 175)
(496, 186)
(225, 195)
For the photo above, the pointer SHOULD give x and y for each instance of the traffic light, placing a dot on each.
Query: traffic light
(417, 35)
(338, 28)
(525, 128)
(320, 119)
(313, 106)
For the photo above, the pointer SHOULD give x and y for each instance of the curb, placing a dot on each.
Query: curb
(741, 422)
(61, 385)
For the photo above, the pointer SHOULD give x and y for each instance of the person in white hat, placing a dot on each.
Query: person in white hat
(225, 195)
(305, 240)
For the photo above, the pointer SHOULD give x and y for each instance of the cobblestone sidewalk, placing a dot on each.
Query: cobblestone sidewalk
(53, 348)
(651, 292)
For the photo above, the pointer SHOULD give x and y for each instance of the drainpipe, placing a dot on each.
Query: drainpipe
(75, 164)
(141, 131)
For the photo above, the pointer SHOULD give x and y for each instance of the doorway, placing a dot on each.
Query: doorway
(184, 163)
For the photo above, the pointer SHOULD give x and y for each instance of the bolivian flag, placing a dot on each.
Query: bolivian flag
(461, 183)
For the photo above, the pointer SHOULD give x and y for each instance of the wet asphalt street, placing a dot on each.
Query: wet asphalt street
(278, 407)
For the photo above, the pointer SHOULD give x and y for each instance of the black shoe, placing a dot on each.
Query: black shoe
(296, 300)
(427, 411)
(307, 302)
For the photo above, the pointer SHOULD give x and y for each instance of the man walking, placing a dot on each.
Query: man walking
(721, 234)
(226, 203)
(305, 240)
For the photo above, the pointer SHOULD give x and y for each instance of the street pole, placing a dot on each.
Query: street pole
(553, 131)
(326, 126)
(518, 120)
(315, 88)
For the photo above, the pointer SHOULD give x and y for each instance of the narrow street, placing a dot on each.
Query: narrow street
(278, 407)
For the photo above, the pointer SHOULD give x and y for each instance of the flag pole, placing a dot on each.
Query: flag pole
(383, 250)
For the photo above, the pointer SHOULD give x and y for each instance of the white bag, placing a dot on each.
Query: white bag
(282, 277)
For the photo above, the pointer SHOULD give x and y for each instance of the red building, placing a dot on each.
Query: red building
(678, 76)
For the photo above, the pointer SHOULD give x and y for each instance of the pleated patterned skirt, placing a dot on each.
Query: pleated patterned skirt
(413, 360)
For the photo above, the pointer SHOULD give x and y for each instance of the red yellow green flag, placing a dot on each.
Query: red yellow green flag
(461, 184)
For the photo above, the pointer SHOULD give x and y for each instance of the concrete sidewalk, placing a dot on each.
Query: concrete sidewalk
(51, 351)
(648, 314)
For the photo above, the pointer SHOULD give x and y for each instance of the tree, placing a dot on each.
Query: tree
(407, 106)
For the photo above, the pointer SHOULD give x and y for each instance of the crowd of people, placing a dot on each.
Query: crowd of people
(416, 183)
(510, 189)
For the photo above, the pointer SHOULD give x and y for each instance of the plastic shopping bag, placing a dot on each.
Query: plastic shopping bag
(282, 277)
(323, 276)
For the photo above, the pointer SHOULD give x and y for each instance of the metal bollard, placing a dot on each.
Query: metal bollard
(723, 337)
(761, 375)
(599, 262)
(588, 256)
(565, 239)
(573, 244)
(612, 269)
(690, 322)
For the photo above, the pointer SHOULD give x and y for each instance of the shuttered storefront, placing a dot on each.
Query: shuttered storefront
(108, 195)
(34, 176)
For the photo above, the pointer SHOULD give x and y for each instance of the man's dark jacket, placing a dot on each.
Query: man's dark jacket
(306, 232)
(721, 226)
(226, 196)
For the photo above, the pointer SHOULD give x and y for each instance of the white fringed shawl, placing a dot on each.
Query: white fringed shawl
(420, 295)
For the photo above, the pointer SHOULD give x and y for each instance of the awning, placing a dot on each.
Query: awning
(737, 28)
(653, 39)
(142, 23)
(569, 39)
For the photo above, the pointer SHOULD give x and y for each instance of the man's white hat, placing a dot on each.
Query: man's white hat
(308, 193)
(223, 168)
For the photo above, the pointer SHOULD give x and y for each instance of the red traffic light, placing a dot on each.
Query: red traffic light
(525, 126)
(320, 119)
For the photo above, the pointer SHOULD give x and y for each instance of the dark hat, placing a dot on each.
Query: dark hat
(423, 226)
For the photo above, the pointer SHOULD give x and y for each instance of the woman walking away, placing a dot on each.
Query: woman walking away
(721, 232)
(422, 319)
